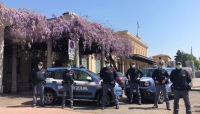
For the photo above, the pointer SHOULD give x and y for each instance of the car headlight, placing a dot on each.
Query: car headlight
(146, 83)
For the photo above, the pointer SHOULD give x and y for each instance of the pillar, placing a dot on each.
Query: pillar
(14, 69)
(1, 57)
(102, 58)
(49, 53)
(122, 66)
(77, 62)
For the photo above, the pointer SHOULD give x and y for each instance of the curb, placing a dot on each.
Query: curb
(195, 89)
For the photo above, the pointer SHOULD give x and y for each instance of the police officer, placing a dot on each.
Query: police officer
(135, 75)
(38, 78)
(108, 74)
(180, 79)
(68, 80)
(161, 77)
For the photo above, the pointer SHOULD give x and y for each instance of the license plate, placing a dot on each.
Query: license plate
(134, 90)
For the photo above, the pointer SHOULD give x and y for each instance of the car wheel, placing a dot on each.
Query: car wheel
(99, 100)
(161, 98)
(49, 97)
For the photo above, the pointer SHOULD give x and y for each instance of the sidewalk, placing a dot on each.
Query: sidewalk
(195, 84)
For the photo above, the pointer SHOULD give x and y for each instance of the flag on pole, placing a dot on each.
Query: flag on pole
(137, 24)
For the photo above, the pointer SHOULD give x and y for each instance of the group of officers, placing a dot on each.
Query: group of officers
(179, 77)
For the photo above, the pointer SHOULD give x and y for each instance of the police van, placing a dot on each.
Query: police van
(87, 85)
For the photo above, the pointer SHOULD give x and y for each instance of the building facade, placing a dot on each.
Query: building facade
(162, 57)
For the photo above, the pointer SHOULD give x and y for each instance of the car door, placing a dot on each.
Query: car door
(82, 87)
(57, 81)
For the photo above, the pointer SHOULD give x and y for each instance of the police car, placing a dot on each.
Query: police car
(87, 85)
(147, 86)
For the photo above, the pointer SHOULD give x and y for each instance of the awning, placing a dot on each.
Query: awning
(142, 58)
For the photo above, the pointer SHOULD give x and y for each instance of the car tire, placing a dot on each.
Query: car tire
(49, 98)
(161, 98)
(99, 99)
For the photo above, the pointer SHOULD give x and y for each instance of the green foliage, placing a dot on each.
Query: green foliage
(183, 57)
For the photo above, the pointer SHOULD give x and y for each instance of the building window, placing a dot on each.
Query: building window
(98, 66)
(84, 62)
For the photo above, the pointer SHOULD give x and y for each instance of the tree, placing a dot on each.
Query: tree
(179, 56)
(188, 58)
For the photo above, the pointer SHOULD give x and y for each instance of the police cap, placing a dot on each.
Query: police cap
(178, 63)
(41, 63)
(68, 65)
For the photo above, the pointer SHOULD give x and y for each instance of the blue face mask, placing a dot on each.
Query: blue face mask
(107, 65)
(160, 66)
(178, 66)
(40, 67)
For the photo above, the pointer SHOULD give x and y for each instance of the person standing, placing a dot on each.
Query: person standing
(108, 74)
(180, 79)
(135, 75)
(38, 78)
(68, 80)
(161, 77)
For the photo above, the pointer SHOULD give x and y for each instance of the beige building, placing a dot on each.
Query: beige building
(162, 57)
(139, 52)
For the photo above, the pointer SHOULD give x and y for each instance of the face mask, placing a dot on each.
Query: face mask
(40, 67)
(160, 66)
(133, 66)
(107, 65)
(178, 66)
(69, 68)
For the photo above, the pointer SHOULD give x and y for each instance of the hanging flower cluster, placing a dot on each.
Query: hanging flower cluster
(28, 27)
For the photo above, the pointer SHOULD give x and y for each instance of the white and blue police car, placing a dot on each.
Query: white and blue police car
(87, 85)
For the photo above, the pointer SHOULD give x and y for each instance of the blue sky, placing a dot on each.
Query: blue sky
(165, 25)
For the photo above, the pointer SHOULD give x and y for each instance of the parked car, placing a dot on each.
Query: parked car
(87, 85)
(121, 79)
(189, 69)
(147, 86)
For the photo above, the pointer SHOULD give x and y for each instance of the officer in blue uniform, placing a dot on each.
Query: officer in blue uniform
(180, 79)
(108, 74)
(38, 79)
(68, 80)
(161, 77)
(135, 75)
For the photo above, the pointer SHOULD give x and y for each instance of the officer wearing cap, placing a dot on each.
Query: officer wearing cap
(108, 74)
(180, 79)
(161, 77)
(135, 75)
(68, 80)
(38, 79)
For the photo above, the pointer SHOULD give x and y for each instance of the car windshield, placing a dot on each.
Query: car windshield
(94, 74)
(149, 72)
(120, 74)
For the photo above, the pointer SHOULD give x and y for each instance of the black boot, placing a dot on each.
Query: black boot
(117, 106)
(131, 101)
(102, 108)
(139, 103)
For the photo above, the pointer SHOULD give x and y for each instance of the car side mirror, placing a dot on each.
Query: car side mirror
(89, 78)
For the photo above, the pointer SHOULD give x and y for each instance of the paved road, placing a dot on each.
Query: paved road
(19, 104)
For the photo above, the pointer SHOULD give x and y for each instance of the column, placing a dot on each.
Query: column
(1, 57)
(77, 53)
(49, 53)
(102, 58)
(14, 69)
(122, 66)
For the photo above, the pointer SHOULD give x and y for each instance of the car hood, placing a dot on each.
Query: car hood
(146, 79)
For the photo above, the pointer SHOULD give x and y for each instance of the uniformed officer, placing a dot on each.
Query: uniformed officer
(161, 77)
(38, 78)
(135, 75)
(68, 80)
(108, 74)
(180, 79)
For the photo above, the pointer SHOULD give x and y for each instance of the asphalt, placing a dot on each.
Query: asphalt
(195, 84)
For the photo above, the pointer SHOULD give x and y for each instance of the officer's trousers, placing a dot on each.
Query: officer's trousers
(185, 95)
(38, 88)
(136, 86)
(105, 91)
(162, 88)
(68, 87)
